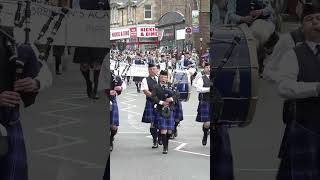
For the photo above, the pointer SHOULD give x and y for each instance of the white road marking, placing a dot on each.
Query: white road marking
(64, 121)
(182, 144)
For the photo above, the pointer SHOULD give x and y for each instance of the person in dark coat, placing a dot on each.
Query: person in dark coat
(164, 97)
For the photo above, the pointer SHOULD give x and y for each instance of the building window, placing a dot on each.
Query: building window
(129, 14)
(117, 16)
(147, 12)
(112, 16)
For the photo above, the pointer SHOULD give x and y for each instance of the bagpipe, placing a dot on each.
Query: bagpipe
(44, 52)
(169, 91)
(22, 61)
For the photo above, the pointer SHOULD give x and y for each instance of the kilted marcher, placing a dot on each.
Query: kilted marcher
(178, 114)
(117, 86)
(203, 88)
(149, 115)
(271, 72)
(164, 97)
(112, 87)
(35, 77)
(137, 80)
(178, 117)
(300, 83)
(90, 57)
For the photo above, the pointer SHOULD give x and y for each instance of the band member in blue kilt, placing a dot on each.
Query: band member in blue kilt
(300, 83)
(164, 97)
(178, 117)
(148, 84)
(203, 88)
(117, 86)
(16, 88)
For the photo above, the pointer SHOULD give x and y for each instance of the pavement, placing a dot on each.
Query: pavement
(66, 132)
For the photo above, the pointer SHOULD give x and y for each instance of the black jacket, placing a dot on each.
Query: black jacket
(161, 94)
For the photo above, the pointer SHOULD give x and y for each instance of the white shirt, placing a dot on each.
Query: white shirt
(272, 63)
(289, 87)
(194, 82)
(144, 84)
(199, 86)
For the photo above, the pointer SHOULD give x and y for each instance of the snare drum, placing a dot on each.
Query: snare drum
(181, 81)
(239, 105)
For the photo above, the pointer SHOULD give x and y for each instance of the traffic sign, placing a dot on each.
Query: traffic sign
(188, 30)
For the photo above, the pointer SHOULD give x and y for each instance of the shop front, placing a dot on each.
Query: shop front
(142, 37)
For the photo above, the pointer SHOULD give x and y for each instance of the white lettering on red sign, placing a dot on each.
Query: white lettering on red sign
(147, 32)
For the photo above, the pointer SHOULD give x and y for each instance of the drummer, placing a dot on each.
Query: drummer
(259, 19)
(203, 88)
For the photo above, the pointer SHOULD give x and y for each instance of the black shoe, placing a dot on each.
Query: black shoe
(165, 151)
(176, 133)
(94, 96)
(58, 73)
(111, 146)
(155, 145)
(160, 140)
(89, 89)
(204, 140)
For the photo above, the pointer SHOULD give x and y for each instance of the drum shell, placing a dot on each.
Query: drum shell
(239, 107)
(181, 81)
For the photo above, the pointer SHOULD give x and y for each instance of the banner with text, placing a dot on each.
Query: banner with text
(79, 28)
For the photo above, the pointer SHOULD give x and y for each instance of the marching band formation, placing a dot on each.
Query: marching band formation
(165, 88)
(167, 77)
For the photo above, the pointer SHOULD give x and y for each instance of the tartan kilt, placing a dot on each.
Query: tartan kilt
(284, 143)
(14, 165)
(165, 123)
(114, 114)
(222, 159)
(178, 112)
(303, 150)
(149, 115)
(203, 112)
(89, 55)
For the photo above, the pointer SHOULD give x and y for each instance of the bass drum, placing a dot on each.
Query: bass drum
(238, 81)
(182, 83)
